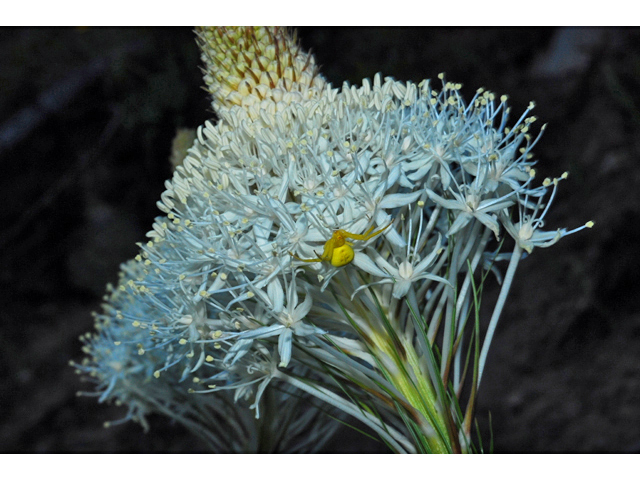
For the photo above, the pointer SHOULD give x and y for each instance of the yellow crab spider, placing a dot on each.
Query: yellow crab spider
(338, 250)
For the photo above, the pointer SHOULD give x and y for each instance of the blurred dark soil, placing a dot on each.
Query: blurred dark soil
(86, 122)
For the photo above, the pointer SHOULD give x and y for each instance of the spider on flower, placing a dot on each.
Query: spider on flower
(337, 250)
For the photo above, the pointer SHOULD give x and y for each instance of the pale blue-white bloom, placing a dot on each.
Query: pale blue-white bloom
(248, 197)
(526, 230)
(291, 321)
(217, 294)
(470, 204)
(403, 274)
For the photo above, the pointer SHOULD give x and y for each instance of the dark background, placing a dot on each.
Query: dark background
(86, 122)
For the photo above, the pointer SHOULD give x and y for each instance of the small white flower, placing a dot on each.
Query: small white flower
(290, 320)
(526, 231)
(409, 266)
(469, 203)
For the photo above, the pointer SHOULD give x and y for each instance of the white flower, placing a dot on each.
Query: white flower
(290, 317)
(470, 204)
(526, 231)
(407, 270)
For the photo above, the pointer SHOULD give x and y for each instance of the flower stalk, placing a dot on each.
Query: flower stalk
(495, 316)
(326, 247)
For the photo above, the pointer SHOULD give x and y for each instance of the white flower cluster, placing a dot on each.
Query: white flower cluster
(122, 362)
(226, 293)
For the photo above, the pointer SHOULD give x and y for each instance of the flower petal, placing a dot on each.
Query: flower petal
(364, 262)
(399, 199)
(284, 347)
(276, 295)
(302, 309)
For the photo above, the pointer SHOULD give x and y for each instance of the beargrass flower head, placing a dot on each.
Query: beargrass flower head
(328, 240)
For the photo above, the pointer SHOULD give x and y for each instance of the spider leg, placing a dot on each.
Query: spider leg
(354, 236)
(328, 250)
(306, 259)
(366, 235)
